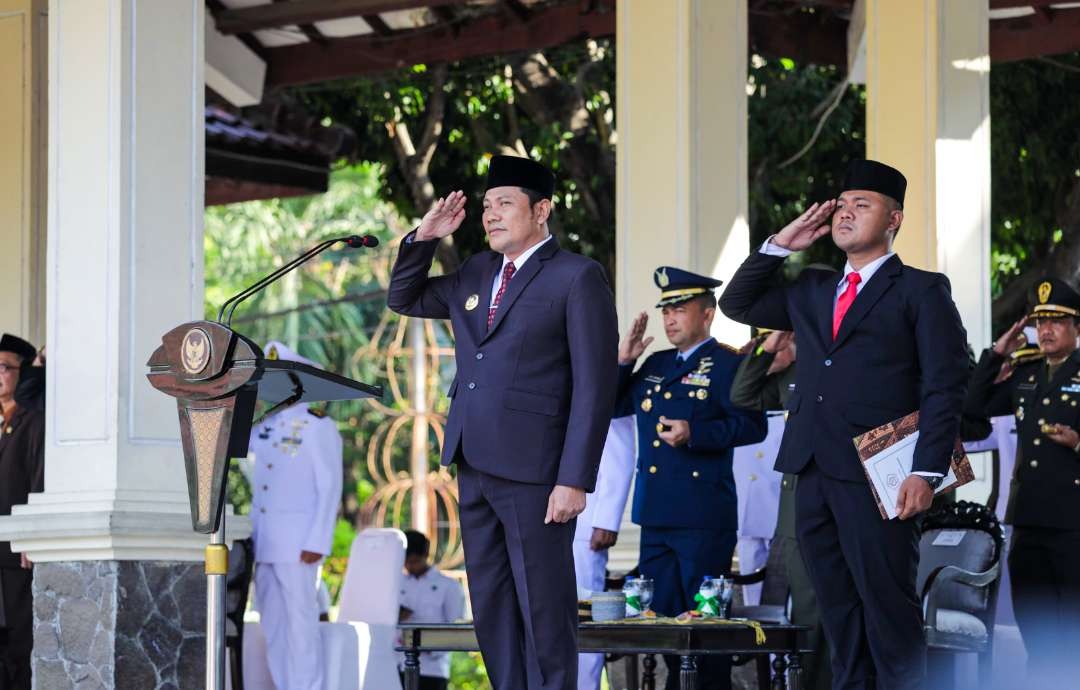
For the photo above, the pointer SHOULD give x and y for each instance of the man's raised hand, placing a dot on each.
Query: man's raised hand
(443, 218)
(634, 343)
(1011, 341)
(807, 228)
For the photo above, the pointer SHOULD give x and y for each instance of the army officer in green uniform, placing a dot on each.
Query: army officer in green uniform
(1044, 500)
(684, 494)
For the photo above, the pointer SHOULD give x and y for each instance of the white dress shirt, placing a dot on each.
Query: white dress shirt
(518, 263)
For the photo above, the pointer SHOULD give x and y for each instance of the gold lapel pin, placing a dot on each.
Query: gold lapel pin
(471, 303)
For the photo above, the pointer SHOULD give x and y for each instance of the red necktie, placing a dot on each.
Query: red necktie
(844, 303)
(508, 273)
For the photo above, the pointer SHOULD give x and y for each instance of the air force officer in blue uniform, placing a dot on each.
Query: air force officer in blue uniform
(536, 341)
(684, 495)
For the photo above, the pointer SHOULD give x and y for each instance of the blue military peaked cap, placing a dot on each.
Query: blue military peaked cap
(677, 285)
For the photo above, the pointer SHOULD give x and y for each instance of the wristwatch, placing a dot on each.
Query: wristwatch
(934, 481)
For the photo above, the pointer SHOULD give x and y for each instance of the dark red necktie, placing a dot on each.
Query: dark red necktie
(508, 273)
(844, 303)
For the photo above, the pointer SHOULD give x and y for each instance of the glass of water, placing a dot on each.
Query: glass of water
(645, 591)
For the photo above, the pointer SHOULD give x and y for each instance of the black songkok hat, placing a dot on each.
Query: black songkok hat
(1055, 299)
(11, 343)
(515, 171)
(875, 177)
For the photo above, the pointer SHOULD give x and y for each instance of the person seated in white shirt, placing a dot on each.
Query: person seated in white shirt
(428, 596)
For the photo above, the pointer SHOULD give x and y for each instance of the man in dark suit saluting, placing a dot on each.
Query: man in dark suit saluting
(877, 343)
(536, 348)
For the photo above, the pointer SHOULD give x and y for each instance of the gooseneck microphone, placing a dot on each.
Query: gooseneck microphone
(352, 241)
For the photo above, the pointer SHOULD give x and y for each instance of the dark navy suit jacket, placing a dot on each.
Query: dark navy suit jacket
(533, 395)
(901, 347)
(691, 486)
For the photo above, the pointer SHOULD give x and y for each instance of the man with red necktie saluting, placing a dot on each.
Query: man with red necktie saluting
(875, 344)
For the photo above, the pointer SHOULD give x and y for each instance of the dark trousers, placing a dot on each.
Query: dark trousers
(17, 637)
(1045, 568)
(677, 559)
(521, 582)
(863, 569)
(817, 669)
(428, 682)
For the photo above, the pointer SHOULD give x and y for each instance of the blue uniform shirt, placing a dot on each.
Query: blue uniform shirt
(692, 485)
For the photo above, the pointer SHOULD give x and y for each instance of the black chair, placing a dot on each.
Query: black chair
(237, 585)
(775, 606)
(960, 554)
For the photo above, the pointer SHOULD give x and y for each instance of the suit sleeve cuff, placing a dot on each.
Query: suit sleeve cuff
(772, 249)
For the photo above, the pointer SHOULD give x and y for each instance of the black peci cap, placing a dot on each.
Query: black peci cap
(515, 171)
(875, 177)
(11, 343)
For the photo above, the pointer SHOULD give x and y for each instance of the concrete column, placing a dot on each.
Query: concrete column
(928, 114)
(23, 30)
(682, 169)
(119, 596)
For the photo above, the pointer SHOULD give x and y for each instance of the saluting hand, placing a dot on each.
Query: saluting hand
(807, 228)
(443, 218)
(634, 343)
(1011, 341)
(564, 504)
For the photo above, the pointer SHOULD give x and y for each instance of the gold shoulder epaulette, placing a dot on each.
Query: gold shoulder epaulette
(727, 347)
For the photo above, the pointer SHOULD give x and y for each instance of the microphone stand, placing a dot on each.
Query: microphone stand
(217, 553)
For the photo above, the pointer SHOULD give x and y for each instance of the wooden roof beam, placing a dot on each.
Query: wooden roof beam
(492, 34)
(1031, 36)
(247, 19)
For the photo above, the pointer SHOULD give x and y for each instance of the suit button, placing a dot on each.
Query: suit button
(262, 510)
(1076, 481)
(753, 477)
(269, 465)
(1046, 401)
(667, 395)
(265, 487)
(828, 362)
(1042, 421)
(784, 483)
(820, 399)
(479, 355)
(1037, 442)
(696, 474)
(1034, 463)
(656, 444)
(652, 469)
(472, 385)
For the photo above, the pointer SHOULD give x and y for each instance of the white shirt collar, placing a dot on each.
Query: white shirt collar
(520, 261)
(866, 272)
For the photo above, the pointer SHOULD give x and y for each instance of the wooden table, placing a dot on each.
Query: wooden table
(688, 641)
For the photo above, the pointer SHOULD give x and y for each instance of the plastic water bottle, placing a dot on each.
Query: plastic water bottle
(708, 597)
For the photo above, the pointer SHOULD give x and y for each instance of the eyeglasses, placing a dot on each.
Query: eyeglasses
(5, 368)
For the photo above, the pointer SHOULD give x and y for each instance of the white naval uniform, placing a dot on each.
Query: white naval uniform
(604, 509)
(432, 598)
(757, 490)
(296, 492)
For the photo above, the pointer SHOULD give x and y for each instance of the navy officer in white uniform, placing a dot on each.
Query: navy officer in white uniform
(296, 493)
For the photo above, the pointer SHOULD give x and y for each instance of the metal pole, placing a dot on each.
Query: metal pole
(418, 464)
(217, 567)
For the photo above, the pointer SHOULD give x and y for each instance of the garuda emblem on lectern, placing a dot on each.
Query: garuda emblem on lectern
(195, 352)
